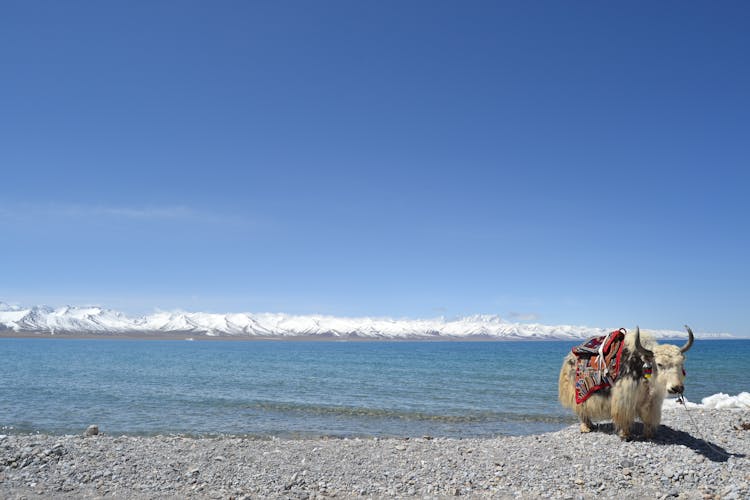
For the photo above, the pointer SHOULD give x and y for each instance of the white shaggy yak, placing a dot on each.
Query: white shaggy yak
(633, 394)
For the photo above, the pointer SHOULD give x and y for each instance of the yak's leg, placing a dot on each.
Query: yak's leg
(624, 400)
(650, 415)
(586, 424)
(596, 407)
(584, 415)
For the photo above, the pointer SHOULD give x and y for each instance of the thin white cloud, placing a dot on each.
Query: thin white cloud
(518, 316)
(167, 212)
(27, 211)
(134, 212)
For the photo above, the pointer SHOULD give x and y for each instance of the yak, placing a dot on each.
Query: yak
(646, 372)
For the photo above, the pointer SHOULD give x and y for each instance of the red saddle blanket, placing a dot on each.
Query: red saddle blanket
(597, 363)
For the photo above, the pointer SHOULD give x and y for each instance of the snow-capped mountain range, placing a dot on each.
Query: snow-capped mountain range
(98, 321)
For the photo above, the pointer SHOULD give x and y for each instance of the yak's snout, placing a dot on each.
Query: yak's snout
(677, 389)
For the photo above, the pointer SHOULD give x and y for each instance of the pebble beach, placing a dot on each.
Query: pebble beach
(698, 453)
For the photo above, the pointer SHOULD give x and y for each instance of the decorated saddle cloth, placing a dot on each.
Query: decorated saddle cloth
(597, 363)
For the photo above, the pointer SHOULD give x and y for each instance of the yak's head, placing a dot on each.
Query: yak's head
(668, 362)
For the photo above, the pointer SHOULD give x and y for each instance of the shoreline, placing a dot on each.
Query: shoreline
(711, 460)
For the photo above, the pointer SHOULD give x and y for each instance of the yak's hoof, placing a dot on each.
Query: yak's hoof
(585, 428)
(624, 436)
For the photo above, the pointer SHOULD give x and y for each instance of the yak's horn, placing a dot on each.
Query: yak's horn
(644, 352)
(691, 338)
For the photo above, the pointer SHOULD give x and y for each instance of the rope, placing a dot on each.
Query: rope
(603, 368)
(681, 400)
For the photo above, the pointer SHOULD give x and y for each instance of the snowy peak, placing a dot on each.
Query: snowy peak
(96, 320)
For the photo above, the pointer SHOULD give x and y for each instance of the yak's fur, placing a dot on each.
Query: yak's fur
(631, 395)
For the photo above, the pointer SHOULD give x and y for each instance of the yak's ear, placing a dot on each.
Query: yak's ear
(642, 350)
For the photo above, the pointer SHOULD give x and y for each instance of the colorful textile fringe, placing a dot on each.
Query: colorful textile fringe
(598, 363)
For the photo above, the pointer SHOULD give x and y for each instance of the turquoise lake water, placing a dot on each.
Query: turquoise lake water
(301, 389)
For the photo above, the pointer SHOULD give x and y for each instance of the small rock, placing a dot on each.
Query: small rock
(91, 430)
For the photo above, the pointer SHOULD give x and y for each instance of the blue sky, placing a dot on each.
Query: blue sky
(580, 163)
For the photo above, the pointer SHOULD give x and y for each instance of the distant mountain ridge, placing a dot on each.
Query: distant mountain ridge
(98, 321)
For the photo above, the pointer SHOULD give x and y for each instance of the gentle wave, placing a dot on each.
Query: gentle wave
(352, 411)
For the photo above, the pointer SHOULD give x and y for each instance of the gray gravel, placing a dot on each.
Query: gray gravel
(564, 464)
